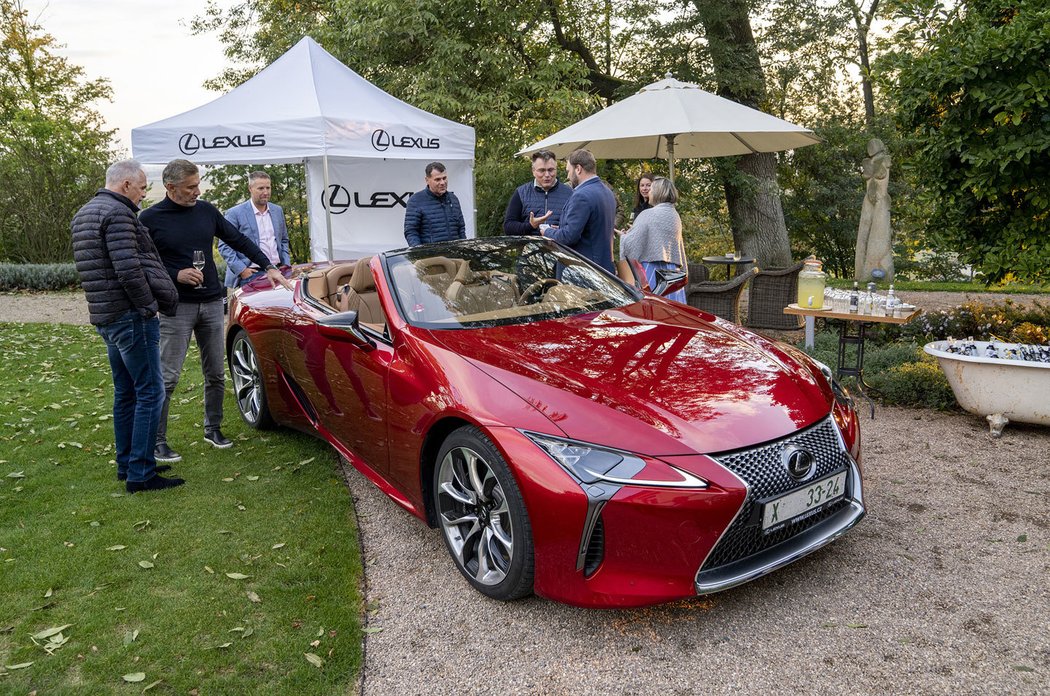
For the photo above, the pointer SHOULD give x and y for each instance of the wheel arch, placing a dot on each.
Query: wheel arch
(435, 436)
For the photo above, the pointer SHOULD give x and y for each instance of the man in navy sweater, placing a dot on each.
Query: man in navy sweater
(539, 201)
(589, 216)
(180, 224)
(434, 214)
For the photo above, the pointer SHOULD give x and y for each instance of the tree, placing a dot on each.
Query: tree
(974, 94)
(53, 147)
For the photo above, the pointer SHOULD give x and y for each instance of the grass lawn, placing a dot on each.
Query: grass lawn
(244, 581)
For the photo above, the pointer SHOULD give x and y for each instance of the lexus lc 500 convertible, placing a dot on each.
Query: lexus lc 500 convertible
(570, 435)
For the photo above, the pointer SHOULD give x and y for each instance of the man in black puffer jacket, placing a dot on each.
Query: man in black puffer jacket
(434, 214)
(126, 286)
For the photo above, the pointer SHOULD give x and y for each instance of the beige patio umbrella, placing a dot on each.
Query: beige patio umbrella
(670, 119)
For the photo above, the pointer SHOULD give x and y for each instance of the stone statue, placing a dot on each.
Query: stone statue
(874, 237)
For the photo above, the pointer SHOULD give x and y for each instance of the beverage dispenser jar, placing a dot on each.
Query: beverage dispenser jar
(811, 282)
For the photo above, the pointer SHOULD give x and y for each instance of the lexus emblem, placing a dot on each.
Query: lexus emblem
(189, 144)
(380, 140)
(336, 200)
(799, 462)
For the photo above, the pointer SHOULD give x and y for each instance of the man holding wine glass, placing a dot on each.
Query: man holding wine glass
(184, 230)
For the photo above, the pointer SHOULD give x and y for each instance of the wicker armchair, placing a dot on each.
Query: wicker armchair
(721, 299)
(698, 273)
(771, 291)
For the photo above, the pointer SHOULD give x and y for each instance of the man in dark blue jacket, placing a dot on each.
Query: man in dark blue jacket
(434, 214)
(537, 202)
(589, 216)
(126, 286)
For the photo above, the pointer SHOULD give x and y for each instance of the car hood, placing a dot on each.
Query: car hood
(653, 377)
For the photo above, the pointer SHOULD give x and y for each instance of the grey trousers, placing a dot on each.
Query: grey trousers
(205, 322)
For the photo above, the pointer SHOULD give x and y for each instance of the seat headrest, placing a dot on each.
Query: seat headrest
(436, 265)
(362, 280)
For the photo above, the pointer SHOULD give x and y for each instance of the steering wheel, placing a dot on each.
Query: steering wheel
(535, 291)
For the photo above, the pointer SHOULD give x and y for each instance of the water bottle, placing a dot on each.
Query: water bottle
(854, 299)
(892, 305)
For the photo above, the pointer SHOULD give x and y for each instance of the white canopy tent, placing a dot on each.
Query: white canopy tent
(362, 147)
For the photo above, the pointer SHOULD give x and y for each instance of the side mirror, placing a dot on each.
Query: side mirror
(344, 326)
(669, 281)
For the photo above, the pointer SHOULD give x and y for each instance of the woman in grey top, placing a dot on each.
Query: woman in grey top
(655, 239)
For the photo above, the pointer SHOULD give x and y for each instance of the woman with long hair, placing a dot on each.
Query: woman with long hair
(641, 194)
(655, 239)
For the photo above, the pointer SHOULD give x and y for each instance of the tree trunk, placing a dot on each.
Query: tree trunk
(752, 194)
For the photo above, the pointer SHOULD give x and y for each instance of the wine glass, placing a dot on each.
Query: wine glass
(198, 263)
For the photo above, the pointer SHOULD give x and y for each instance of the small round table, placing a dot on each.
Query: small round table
(730, 262)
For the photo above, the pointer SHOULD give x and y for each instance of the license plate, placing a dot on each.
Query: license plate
(813, 496)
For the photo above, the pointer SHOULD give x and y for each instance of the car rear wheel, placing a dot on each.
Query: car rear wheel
(248, 388)
(483, 517)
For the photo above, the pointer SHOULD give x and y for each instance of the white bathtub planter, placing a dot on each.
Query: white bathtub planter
(1000, 381)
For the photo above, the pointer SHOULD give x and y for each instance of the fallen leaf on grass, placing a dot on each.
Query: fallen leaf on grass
(237, 576)
(209, 570)
(150, 686)
(130, 637)
(228, 479)
(254, 597)
(134, 677)
(21, 665)
(223, 646)
(372, 629)
(48, 593)
(314, 660)
(17, 474)
(253, 478)
(277, 546)
(145, 564)
(117, 547)
(48, 632)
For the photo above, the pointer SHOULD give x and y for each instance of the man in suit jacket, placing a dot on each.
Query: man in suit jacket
(262, 222)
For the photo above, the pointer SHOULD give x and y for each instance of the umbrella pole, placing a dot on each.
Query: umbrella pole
(670, 157)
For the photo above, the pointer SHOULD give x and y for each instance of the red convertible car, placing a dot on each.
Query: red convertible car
(569, 434)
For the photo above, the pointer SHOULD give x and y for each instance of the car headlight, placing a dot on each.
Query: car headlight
(841, 395)
(592, 464)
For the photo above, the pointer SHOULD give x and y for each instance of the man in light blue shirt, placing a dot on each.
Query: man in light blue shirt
(263, 223)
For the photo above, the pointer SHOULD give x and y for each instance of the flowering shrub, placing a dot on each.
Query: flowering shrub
(1006, 321)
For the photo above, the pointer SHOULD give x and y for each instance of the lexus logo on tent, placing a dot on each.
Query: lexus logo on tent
(382, 141)
(336, 200)
(190, 143)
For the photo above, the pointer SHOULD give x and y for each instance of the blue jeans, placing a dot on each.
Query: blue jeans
(205, 322)
(133, 345)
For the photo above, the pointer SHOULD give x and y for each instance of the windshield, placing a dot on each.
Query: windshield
(497, 281)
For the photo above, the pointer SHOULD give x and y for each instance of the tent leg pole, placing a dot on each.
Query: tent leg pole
(327, 206)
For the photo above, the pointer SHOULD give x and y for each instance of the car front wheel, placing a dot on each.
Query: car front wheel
(483, 518)
(248, 386)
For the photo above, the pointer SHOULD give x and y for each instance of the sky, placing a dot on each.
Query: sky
(144, 48)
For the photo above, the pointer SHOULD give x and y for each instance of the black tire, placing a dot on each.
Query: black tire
(482, 517)
(249, 390)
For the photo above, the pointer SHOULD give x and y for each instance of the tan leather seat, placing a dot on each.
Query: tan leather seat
(475, 292)
(359, 295)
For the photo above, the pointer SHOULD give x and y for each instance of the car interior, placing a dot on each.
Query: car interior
(349, 287)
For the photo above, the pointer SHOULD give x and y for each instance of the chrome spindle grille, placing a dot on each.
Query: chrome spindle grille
(762, 469)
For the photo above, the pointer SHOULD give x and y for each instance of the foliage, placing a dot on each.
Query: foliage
(919, 383)
(53, 148)
(974, 92)
(899, 372)
(152, 583)
(1006, 321)
(27, 276)
(228, 186)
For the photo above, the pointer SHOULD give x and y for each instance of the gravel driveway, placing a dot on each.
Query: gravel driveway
(944, 588)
